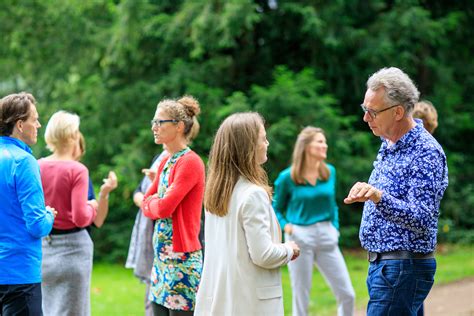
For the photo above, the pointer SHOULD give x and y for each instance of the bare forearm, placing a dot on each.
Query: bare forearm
(110, 183)
(102, 209)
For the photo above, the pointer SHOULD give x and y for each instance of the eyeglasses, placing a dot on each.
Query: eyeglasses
(373, 113)
(159, 123)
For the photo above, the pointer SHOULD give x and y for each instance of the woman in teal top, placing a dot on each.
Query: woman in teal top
(305, 204)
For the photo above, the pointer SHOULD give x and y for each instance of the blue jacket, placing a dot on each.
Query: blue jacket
(23, 215)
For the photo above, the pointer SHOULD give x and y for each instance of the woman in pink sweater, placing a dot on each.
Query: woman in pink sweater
(175, 201)
(67, 251)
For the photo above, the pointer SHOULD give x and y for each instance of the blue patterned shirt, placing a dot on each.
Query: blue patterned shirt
(413, 175)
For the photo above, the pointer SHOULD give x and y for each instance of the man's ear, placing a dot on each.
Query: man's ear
(399, 112)
(19, 126)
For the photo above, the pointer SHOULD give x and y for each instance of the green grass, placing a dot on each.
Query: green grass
(115, 291)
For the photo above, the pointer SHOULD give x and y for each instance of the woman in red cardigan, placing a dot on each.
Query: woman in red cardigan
(175, 201)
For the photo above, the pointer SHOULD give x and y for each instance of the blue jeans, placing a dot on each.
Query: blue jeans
(399, 287)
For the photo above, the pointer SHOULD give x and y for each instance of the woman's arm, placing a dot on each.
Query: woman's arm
(110, 184)
(256, 219)
(280, 202)
(83, 212)
(188, 172)
(334, 207)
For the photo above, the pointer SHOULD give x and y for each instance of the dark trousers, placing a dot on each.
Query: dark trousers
(399, 287)
(20, 300)
(160, 310)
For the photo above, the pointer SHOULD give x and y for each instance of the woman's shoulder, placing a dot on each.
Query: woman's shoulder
(331, 167)
(284, 176)
(332, 173)
(191, 158)
(285, 173)
(73, 169)
(192, 155)
(63, 164)
(76, 165)
(248, 191)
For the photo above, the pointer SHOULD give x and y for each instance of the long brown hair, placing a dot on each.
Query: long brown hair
(233, 155)
(305, 137)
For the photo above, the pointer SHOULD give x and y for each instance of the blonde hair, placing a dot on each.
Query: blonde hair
(305, 137)
(233, 155)
(426, 111)
(185, 109)
(62, 130)
(82, 145)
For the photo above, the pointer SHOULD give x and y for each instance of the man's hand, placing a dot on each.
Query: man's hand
(362, 192)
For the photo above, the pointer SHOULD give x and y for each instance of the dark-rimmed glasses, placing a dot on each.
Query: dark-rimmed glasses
(159, 123)
(373, 113)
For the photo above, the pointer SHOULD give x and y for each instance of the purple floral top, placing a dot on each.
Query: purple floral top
(413, 175)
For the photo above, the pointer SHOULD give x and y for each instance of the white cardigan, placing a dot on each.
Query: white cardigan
(243, 256)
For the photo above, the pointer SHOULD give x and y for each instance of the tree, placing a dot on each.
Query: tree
(297, 63)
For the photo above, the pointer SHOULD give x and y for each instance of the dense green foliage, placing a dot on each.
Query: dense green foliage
(299, 63)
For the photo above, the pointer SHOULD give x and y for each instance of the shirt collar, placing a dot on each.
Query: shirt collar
(406, 139)
(16, 142)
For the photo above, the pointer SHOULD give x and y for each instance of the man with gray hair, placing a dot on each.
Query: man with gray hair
(24, 218)
(402, 198)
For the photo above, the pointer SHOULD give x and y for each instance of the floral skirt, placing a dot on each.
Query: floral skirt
(175, 276)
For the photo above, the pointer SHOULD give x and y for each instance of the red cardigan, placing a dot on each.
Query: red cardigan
(182, 202)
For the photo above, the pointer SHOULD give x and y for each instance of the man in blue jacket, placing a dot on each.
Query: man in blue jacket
(24, 218)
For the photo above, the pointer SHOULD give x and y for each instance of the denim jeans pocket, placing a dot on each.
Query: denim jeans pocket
(422, 290)
(384, 278)
(390, 273)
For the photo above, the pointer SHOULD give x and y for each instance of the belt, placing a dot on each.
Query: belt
(56, 231)
(397, 254)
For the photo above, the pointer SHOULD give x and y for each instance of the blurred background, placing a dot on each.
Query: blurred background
(298, 63)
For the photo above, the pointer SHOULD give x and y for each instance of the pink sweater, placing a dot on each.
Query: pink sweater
(65, 185)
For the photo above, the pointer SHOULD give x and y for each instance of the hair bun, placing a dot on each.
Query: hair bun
(191, 105)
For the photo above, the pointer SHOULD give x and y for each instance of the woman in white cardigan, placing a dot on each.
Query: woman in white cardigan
(244, 252)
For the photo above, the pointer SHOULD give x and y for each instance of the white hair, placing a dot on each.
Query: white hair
(399, 88)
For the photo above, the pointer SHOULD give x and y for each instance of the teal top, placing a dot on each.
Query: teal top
(305, 204)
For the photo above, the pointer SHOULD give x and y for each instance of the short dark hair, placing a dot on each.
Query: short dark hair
(14, 107)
